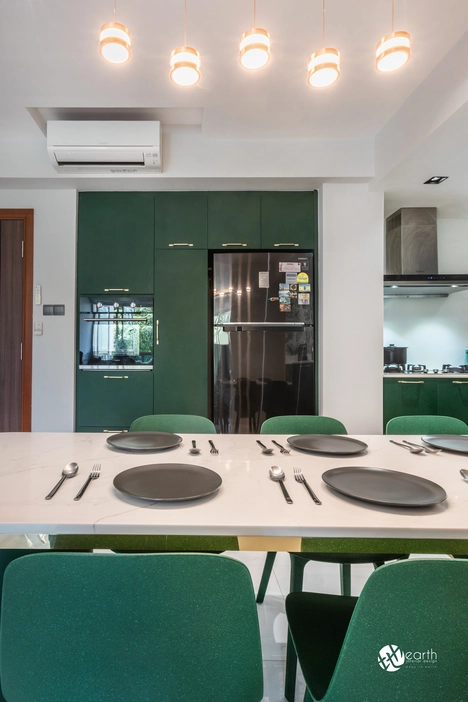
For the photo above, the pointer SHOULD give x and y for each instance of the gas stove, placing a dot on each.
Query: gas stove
(422, 369)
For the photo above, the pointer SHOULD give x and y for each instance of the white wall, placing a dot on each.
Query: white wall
(435, 330)
(54, 269)
(351, 306)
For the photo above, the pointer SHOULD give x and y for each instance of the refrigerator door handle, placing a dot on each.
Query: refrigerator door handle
(268, 326)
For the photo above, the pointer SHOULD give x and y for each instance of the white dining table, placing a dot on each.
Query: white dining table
(248, 512)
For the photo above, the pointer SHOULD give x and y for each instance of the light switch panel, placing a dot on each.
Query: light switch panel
(38, 328)
(38, 294)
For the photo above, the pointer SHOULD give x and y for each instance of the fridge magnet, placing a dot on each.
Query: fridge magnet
(302, 278)
(273, 299)
(304, 287)
(304, 265)
(303, 299)
(291, 278)
(289, 267)
(285, 298)
(284, 307)
(284, 286)
(293, 290)
(263, 279)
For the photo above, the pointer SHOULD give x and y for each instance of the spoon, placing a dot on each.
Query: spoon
(265, 449)
(194, 448)
(277, 474)
(412, 450)
(426, 448)
(464, 473)
(69, 471)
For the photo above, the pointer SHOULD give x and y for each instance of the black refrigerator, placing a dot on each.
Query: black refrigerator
(263, 337)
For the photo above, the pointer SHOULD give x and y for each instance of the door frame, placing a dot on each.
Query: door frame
(27, 217)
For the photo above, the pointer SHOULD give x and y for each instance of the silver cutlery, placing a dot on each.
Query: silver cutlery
(265, 449)
(464, 473)
(281, 448)
(70, 470)
(277, 474)
(299, 476)
(408, 448)
(213, 450)
(95, 473)
(426, 448)
(194, 448)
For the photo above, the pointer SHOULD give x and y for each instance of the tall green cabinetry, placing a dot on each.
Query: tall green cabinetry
(158, 244)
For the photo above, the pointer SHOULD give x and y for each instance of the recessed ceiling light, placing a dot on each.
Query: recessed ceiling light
(435, 180)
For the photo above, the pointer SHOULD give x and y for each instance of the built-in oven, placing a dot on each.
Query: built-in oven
(116, 332)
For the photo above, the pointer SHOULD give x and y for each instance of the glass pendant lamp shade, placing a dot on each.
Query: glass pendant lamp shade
(185, 66)
(392, 51)
(323, 68)
(255, 48)
(114, 42)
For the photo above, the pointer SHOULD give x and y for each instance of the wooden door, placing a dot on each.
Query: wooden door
(15, 319)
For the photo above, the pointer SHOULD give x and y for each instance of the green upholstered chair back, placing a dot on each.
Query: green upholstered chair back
(185, 423)
(426, 424)
(302, 424)
(408, 636)
(129, 628)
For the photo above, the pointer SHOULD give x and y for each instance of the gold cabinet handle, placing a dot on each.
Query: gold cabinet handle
(116, 377)
(116, 289)
(288, 244)
(114, 431)
(460, 382)
(411, 382)
(235, 243)
(157, 332)
(180, 244)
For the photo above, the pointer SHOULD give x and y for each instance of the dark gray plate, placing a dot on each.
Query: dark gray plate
(327, 443)
(144, 440)
(170, 482)
(384, 487)
(449, 442)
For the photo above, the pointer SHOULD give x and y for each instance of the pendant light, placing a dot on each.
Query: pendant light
(323, 67)
(393, 50)
(185, 61)
(114, 41)
(254, 50)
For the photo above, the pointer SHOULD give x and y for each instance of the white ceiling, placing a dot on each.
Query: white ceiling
(51, 65)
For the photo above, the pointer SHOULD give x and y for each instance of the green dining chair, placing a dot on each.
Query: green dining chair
(129, 628)
(405, 638)
(426, 424)
(183, 423)
(311, 424)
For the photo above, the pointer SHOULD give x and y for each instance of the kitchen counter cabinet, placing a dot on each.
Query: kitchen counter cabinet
(289, 220)
(453, 397)
(115, 242)
(181, 306)
(409, 396)
(112, 399)
(181, 220)
(234, 220)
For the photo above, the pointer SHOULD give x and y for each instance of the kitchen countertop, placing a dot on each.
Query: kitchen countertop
(408, 376)
(248, 505)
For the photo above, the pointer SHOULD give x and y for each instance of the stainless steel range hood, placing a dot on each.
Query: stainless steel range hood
(411, 267)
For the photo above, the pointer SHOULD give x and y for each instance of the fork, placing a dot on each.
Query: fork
(95, 473)
(281, 448)
(213, 450)
(426, 448)
(299, 476)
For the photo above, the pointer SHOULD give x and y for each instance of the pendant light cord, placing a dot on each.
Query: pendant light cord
(323, 24)
(393, 16)
(255, 14)
(185, 22)
(115, 3)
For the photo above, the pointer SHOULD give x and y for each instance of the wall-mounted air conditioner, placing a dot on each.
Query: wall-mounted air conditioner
(112, 148)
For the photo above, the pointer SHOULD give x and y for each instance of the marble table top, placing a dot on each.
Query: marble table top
(248, 505)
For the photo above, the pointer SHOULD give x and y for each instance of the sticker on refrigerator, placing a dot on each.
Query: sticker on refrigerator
(289, 267)
(293, 290)
(284, 287)
(304, 287)
(263, 279)
(302, 278)
(303, 299)
(284, 297)
(291, 278)
(284, 307)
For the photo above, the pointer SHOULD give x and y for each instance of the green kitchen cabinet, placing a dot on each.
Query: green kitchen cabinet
(453, 397)
(112, 399)
(409, 396)
(234, 220)
(289, 220)
(181, 220)
(181, 358)
(115, 242)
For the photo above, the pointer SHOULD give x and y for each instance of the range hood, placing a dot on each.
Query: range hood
(411, 266)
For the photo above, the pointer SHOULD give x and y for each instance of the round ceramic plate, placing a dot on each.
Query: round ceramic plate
(384, 487)
(144, 440)
(327, 443)
(171, 482)
(449, 442)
